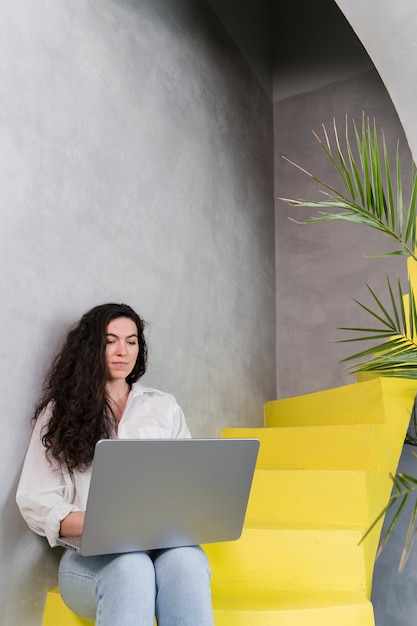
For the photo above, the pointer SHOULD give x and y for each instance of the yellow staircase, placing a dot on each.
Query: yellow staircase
(322, 477)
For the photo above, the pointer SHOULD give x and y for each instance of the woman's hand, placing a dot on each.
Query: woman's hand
(72, 525)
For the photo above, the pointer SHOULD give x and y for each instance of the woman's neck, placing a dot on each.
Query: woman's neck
(118, 392)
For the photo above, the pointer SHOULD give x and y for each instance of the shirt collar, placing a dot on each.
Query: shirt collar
(138, 389)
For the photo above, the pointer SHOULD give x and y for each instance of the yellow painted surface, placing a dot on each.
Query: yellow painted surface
(308, 499)
(359, 403)
(239, 609)
(359, 426)
(347, 447)
(412, 273)
(293, 609)
(268, 560)
(58, 614)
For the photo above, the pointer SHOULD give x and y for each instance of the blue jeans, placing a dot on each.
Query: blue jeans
(130, 589)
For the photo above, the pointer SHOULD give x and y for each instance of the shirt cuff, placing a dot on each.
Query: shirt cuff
(53, 522)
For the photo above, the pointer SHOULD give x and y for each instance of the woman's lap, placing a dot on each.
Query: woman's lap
(130, 588)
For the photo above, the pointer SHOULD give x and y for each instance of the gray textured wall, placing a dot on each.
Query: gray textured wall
(322, 267)
(136, 166)
(314, 46)
(249, 24)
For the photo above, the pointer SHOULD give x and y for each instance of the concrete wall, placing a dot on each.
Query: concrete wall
(249, 24)
(136, 166)
(314, 45)
(322, 267)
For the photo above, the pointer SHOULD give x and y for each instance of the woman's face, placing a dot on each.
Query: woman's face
(122, 347)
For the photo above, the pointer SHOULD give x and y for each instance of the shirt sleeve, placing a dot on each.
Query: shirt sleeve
(45, 493)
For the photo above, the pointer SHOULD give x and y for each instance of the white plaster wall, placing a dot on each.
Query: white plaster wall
(135, 166)
(388, 32)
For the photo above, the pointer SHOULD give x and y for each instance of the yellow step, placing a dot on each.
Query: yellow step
(267, 560)
(308, 498)
(234, 609)
(296, 609)
(56, 612)
(351, 447)
(368, 402)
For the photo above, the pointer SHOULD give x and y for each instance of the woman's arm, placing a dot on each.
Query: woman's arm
(45, 493)
(72, 525)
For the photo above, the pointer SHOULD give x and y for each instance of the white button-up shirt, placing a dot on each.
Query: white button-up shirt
(47, 492)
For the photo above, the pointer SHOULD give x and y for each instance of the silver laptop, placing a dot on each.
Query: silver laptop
(163, 493)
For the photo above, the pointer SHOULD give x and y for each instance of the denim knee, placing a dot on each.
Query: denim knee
(183, 587)
(187, 562)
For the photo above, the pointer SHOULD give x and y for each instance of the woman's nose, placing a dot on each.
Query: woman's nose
(121, 348)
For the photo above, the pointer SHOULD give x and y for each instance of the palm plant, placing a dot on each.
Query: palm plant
(371, 193)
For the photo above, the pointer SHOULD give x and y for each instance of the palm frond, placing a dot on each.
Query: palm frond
(404, 486)
(396, 331)
(371, 190)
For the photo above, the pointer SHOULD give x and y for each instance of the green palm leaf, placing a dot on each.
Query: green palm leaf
(404, 487)
(368, 194)
(396, 354)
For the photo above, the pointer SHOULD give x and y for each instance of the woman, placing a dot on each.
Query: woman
(92, 393)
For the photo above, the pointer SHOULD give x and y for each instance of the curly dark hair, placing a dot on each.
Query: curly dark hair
(75, 387)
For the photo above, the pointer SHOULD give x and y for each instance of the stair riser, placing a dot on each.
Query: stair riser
(315, 447)
(277, 560)
(367, 402)
(361, 615)
(309, 498)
